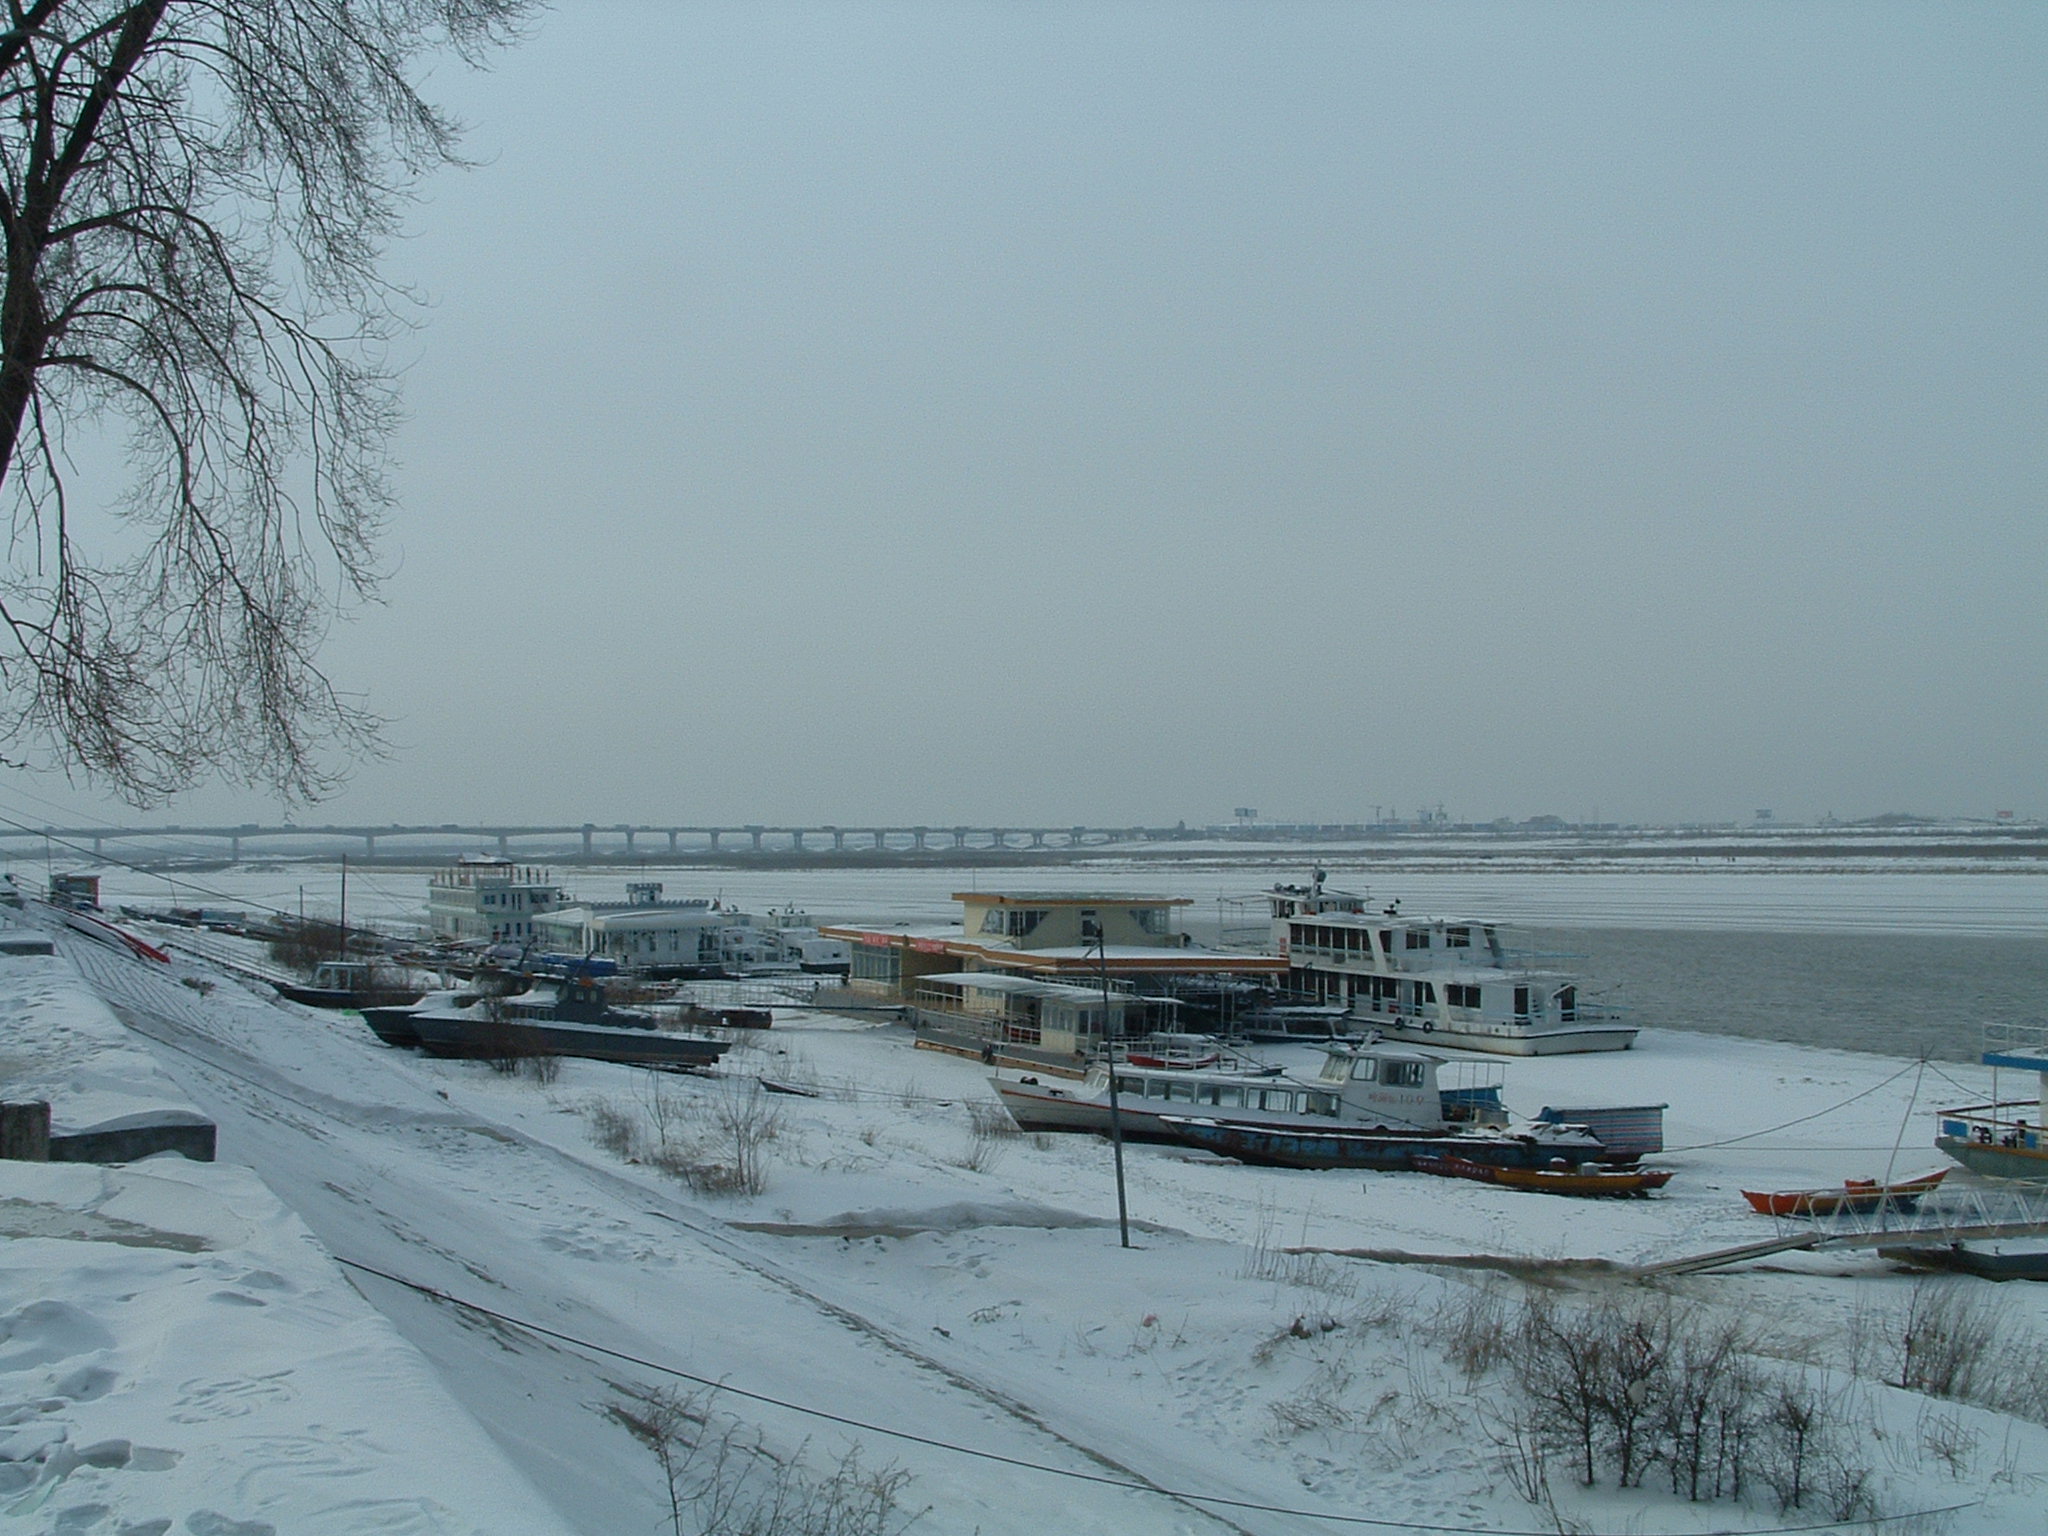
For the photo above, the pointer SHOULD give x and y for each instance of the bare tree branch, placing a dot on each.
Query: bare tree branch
(194, 195)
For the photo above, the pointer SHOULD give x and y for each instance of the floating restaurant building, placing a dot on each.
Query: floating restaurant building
(1028, 968)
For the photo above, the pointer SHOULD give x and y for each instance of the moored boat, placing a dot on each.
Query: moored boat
(1389, 1087)
(1434, 981)
(568, 1016)
(2003, 1137)
(1997, 1260)
(1383, 1149)
(347, 984)
(1860, 1196)
(1582, 1182)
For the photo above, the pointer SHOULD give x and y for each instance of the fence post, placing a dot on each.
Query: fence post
(25, 1131)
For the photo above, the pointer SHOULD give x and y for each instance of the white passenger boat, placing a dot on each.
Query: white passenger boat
(1434, 981)
(1360, 1086)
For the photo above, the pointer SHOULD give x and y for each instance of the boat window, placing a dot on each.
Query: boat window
(1278, 1100)
(1322, 1104)
(1154, 1088)
(1418, 938)
(1365, 1070)
(1335, 1069)
(1183, 1093)
(1206, 1093)
(1229, 1096)
(1522, 1002)
(1130, 1085)
(1457, 938)
(1402, 1074)
(1386, 941)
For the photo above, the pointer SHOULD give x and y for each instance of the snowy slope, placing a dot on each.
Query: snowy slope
(954, 1303)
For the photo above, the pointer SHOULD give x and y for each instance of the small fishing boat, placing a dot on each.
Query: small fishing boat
(1856, 1195)
(1567, 1180)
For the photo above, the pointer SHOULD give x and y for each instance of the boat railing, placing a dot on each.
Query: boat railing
(2031, 1039)
(1988, 1209)
(2003, 1123)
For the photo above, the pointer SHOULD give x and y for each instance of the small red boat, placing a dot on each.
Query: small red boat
(1862, 1195)
(1581, 1181)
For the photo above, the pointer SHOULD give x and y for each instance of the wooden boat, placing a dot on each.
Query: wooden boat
(1859, 1195)
(1382, 1149)
(1567, 1180)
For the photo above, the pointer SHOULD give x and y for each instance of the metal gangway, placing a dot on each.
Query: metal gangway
(1994, 1208)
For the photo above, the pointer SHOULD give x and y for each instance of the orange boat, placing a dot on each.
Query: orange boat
(1862, 1195)
(1584, 1182)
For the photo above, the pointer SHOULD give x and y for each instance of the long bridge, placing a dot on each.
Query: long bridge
(630, 840)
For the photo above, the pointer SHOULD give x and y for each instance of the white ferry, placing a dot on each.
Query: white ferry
(1433, 981)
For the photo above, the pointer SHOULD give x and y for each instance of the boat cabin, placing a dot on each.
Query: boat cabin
(2003, 1137)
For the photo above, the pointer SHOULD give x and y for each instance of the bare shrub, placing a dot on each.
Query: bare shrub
(1471, 1326)
(613, 1127)
(990, 1130)
(1948, 1342)
(1319, 1403)
(1946, 1439)
(300, 944)
(722, 1479)
(731, 1153)
(541, 1069)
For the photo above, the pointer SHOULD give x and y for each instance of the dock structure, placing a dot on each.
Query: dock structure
(2001, 1209)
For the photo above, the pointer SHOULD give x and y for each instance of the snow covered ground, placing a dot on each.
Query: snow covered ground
(270, 1343)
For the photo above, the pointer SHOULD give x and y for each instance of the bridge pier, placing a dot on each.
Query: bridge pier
(796, 839)
(504, 847)
(881, 839)
(917, 837)
(959, 837)
(1038, 839)
(671, 842)
(629, 840)
(755, 834)
(838, 841)
(587, 830)
(1074, 837)
(715, 836)
(234, 849)
(95, 845)
(369, 845)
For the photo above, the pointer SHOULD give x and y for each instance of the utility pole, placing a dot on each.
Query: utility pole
(1116, 1122)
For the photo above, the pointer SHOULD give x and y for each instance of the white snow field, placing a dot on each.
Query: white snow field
(217, 1349)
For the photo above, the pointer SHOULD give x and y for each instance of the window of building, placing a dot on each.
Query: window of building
(1151, 919)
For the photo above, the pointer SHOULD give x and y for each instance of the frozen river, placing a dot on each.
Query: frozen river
(1893, 959)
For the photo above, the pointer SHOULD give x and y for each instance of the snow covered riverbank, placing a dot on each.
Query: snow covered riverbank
(949, 1299)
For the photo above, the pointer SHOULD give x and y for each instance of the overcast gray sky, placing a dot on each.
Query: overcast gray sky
(1115, 412)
